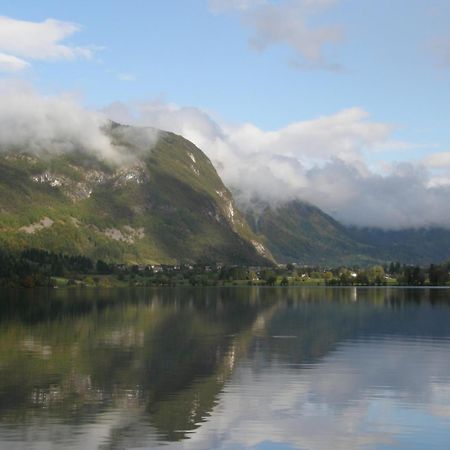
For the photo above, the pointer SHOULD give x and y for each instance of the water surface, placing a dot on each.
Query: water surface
(236, 368)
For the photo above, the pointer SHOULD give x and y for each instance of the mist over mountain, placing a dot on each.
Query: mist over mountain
(321, 161)
(73, 181)
(300, 232)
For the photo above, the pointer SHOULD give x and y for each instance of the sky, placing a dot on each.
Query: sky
(343, 103)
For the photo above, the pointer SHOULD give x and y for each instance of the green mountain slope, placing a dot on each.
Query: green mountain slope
(159, 205)
(164, 202)
(410, 246)
(300, 232)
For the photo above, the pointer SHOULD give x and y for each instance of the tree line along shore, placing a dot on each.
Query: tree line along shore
(39, 268)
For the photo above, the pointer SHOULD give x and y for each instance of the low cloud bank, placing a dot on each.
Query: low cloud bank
(31, 122)
(322, 161)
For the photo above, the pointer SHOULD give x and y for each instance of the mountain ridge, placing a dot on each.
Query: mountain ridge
(161, 200)
(298, 231)
(163, 204)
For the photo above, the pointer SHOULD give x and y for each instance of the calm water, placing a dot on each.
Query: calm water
(241, 368)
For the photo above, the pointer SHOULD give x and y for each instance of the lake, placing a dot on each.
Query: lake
(225, 368)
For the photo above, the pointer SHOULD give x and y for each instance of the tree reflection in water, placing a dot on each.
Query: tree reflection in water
(151, 365)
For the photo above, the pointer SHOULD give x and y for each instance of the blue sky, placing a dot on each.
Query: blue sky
(315, 58)
(182, 52)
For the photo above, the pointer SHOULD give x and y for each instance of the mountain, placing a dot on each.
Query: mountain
(162, 203)
(160, 200)
(300, 232)
(410, 246)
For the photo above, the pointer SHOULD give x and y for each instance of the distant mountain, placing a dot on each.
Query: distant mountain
(160, 205)
(410, 246)
(299, 232)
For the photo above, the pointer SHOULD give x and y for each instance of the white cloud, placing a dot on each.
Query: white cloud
(22, 40)
(9, 63)
(439, 165)
(288, 23)
(322, 161)
(438, 160)
(36, 123)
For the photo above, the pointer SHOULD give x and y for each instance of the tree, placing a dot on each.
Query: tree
(414, 276)
(438, 274)
(266, 274)
(327, 276)
(362, 278)
(57, 268)
(346, 278)
(103, 267)
(376, 275)
(391, 269)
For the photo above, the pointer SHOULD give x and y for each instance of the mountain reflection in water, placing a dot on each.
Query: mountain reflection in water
(259, 368)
